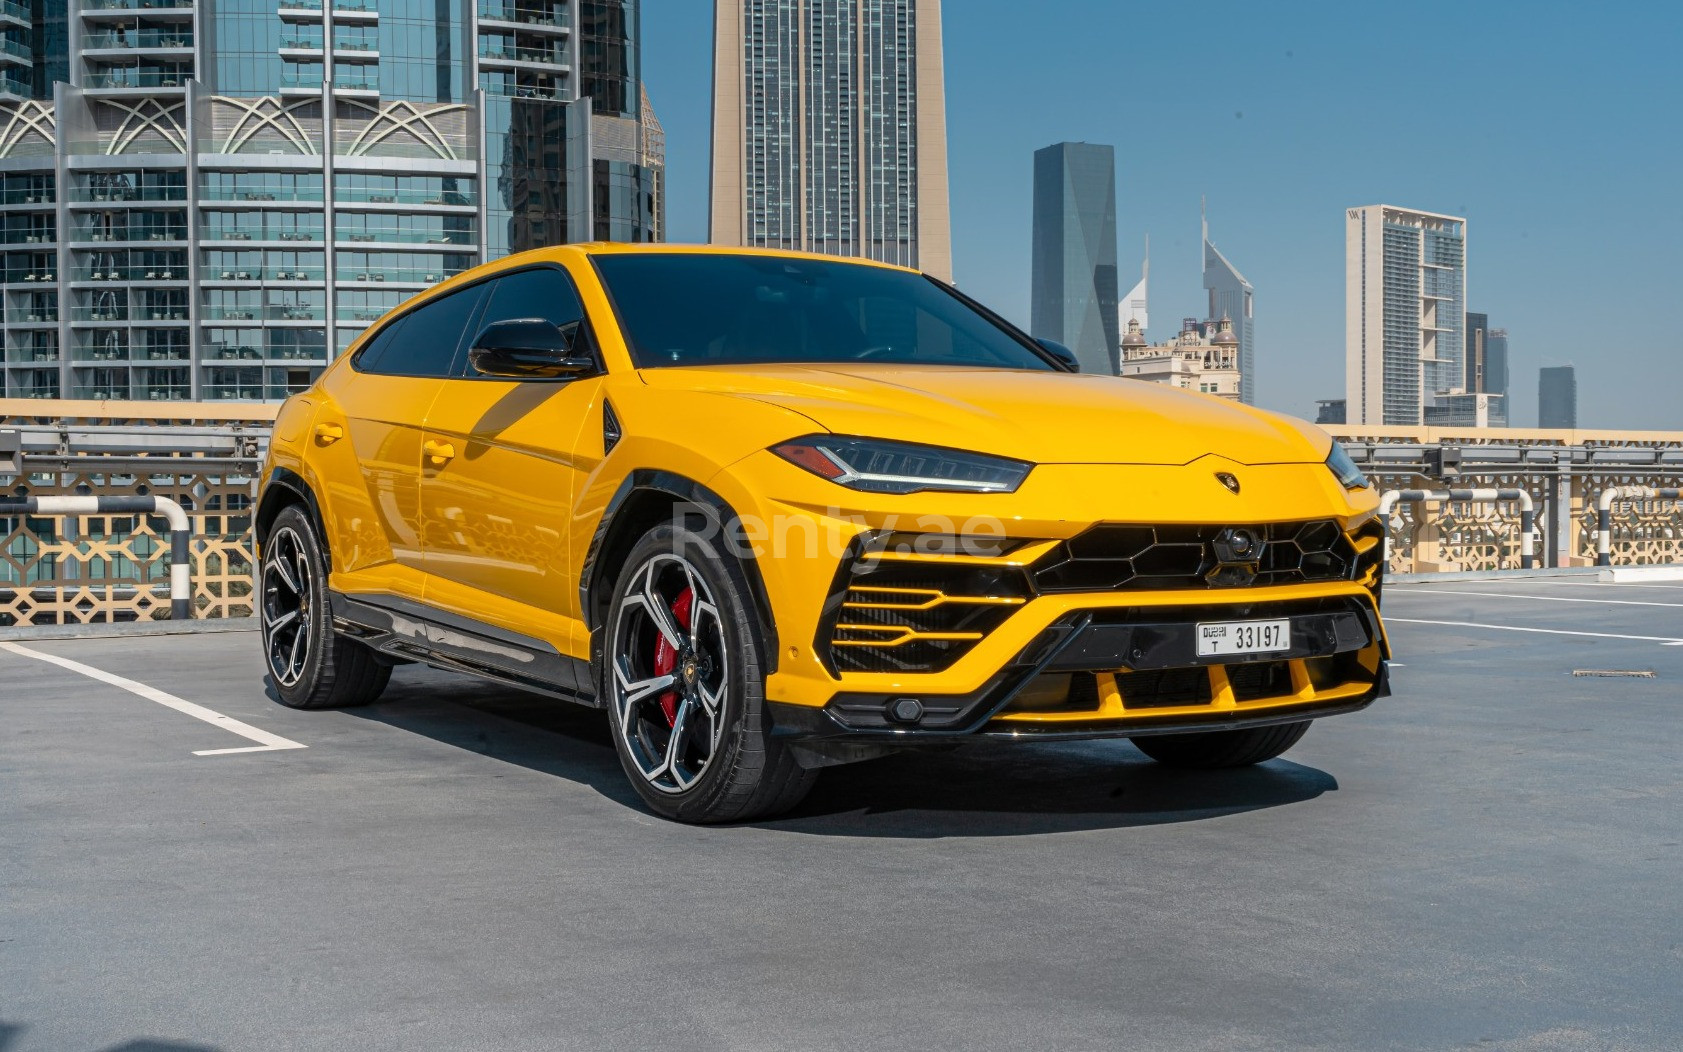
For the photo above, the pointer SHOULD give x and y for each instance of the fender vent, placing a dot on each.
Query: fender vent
(611, 433)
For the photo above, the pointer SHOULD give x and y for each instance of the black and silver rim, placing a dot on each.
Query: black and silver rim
(671, 672)
(286, 606)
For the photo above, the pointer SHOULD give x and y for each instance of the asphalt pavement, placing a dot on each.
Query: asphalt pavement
(1489, 859)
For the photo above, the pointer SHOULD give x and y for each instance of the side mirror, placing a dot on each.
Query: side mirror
(529, 349)
(1064, 355)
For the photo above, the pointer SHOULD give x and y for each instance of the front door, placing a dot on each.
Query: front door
(498, 476)
(368, 434)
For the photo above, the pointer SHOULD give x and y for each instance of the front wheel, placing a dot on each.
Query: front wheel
(683, 674)
(1208, 750)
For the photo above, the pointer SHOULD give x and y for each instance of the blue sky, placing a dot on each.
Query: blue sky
(1555, 128)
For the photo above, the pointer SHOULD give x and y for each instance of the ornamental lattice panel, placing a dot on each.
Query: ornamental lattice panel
(102, 568)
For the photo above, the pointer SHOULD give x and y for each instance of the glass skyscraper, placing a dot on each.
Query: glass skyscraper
(211, 198)
(1405, 307)
(829, 129)
(1496, 362)
(1232, 297)
(1557, 396)
(1074, 285)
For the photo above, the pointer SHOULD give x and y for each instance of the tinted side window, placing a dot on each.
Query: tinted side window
(544, 292)
(431, 336)
(368, 359)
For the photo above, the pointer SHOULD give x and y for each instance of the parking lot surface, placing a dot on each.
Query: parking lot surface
(1488, 859)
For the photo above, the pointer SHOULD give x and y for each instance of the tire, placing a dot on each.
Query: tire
(1209, 750)
(310, 665)
(682, 672)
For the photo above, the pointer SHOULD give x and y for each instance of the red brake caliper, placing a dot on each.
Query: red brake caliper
(666, 655)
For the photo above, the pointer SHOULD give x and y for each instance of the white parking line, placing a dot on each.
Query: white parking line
(266, 742)
(1543, 598)
(1669, 641)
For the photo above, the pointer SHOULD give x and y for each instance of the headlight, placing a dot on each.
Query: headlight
(877, 466)
(1344, 469)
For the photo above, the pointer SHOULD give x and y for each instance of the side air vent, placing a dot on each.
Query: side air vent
(918, 614)
(611, 433)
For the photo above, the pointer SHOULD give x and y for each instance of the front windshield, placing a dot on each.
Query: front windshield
(710, 309)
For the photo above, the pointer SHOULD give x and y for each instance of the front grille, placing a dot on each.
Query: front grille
(1259, 679)
(918, 615)
(1115, 557)
(908, 611)
(1163, 688)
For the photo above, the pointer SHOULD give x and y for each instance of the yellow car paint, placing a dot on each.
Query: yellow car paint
(482, 498)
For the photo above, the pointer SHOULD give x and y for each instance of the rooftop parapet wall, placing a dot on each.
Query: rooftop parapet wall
(115, 568)
(1348, 433)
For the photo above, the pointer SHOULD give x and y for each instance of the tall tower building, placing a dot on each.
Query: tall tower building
(1136, 303)
(830, 129)
(1496, 362)
(1074, 279)
(1405, 303)
(1231, 296)
(1557, 396)
(210, 199)
(1475, 337)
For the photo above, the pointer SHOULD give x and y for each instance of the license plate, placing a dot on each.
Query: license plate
(1216, 638)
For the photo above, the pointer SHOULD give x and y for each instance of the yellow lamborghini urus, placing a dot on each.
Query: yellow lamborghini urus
(775, 512)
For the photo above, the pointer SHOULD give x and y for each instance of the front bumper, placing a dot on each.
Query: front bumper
(943, 626)
(1121, 672)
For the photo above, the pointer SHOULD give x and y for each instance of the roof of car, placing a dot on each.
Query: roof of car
(615, 248)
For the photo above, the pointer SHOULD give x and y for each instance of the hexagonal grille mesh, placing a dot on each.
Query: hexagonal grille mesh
(1111, 557)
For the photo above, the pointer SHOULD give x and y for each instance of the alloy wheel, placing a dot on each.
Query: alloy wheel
(670, 673)
(287, 592)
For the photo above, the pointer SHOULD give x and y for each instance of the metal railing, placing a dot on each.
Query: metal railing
(1562, 472)
(1527, 510)
(1455, 499)
(1631, 495)
(105, 561)
(180, 532)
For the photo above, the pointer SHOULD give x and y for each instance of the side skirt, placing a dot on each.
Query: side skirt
(406, 630)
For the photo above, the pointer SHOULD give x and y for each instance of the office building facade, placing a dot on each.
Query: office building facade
(1468, 409)
(1232, 297)
(210, 199)
(1405, 291)
(1074, 293)
(830, 129)
(1329, 411)
(1478, 404)
(1557, 396)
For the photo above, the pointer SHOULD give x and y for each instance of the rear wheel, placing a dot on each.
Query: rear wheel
(1212, 749)
(310, 665)
(683, 673)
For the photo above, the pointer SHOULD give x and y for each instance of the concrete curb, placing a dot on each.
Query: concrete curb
(124, 629)
(1492, 575)
(1628, 574)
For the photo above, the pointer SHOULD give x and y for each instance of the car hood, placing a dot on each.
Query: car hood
(1042, 417)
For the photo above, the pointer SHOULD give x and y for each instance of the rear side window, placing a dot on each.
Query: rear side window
(368, 359)
(426, 340)
(542, 292)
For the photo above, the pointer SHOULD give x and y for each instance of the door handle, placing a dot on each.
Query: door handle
(438, 451)
(327, 434)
